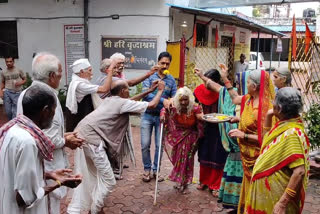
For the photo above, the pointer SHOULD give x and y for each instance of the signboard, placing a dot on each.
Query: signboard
(73, 47)
(242, 37)
(140, 53)
(279, 45)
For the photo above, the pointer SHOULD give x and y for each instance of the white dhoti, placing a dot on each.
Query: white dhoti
(98, 179)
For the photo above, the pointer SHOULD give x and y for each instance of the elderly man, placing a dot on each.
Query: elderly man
(23, 149)
(81, 92)
(117, 72)
(47, 73)
(105, 127)
(12, 80)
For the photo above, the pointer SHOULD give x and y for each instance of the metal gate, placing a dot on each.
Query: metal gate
(305, 70)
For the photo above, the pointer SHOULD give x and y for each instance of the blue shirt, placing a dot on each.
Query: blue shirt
(169, 91)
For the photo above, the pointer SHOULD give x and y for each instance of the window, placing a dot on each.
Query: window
(8, 39)
(202, 34)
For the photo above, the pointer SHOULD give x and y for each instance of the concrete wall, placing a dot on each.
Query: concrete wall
(179, 17)
(45, 34)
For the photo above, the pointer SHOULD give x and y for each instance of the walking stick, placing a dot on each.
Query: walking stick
(158, 168)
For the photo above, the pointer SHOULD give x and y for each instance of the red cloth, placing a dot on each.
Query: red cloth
(205, 96)
(294, 38)
(211, 177)
(195, 35)
(217, 37)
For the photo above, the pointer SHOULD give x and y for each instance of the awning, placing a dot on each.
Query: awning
(230, 19)
(237, 3)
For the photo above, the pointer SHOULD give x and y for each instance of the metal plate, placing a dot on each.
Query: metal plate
(216, 118)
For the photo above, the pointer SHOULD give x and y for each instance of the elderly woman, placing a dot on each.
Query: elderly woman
(280, 174)
(281, 78)
(230, 184)
(182, 130)
(254, 108)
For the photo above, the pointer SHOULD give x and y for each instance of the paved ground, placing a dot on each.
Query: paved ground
(132, 195)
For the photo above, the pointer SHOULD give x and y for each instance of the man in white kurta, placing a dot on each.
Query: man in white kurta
(21, 171)
(41, 64)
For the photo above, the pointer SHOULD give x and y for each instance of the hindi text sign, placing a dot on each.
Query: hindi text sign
(140, 53)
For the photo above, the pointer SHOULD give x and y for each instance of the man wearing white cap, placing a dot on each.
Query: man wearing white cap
(81, 92)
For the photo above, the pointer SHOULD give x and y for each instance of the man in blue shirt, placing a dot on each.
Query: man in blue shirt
(151, 118)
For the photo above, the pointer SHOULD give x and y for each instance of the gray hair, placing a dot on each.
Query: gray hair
(185, 91)
(289, 100)
(255, 76)
(43, 64)
(117, 56)
(105, 64)
(284, 72)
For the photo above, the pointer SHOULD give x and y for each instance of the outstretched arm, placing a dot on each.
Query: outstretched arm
(137, 80)
(211, 85)
(236, 99)
(146, 92)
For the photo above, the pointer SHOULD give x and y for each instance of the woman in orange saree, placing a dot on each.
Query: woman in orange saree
(254, 108)
(280, 174)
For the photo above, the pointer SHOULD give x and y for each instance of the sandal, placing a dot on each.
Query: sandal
(202, 187)
(146, 177)
(215, 193)
(160, 178)
(184, 190)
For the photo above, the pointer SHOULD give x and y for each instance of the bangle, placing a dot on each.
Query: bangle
(290, 192)
(59, 183)
(267, 128)
(228, 89)
(245, 137)
(226, 82)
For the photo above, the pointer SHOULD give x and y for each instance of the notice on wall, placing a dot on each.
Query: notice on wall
(242, 37)
(279, 45)
(73, 47)
(140, 53)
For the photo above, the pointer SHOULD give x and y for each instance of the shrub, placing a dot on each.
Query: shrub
(312, 118)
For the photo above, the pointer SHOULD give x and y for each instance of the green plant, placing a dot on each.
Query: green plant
(62, 96)
(312, 118)
(28, 82)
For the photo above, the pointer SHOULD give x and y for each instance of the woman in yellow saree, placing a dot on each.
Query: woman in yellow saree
(254, 108)
(280, 174)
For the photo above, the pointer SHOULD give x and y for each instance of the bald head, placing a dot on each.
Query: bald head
(118, 86)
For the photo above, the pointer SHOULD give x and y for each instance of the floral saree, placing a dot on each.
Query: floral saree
(181, 134)
(232, 173)
(251, 122)
(285, 147)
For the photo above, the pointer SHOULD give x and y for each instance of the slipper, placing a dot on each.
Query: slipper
(160, 178)
(215, 193)
(146, 177)
(125, 166)
(202, 187)
(118, 177)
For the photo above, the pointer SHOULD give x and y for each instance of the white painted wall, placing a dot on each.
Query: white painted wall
(36, 35)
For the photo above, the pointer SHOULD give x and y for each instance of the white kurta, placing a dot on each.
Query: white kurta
(56, 134)
(21, 170)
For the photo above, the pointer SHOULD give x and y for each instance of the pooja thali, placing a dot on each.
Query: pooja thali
(216, 118)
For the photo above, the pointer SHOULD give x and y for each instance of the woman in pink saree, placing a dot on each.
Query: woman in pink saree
(182, 129)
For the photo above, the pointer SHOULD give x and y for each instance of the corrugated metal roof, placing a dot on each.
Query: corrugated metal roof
(288, 28)
(230, 19)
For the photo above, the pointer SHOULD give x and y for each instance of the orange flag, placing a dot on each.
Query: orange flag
(217, 37)
(195, 35)
(294, 37)
(308, 38)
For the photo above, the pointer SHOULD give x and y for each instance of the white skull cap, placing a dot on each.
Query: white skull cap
(80, 64)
